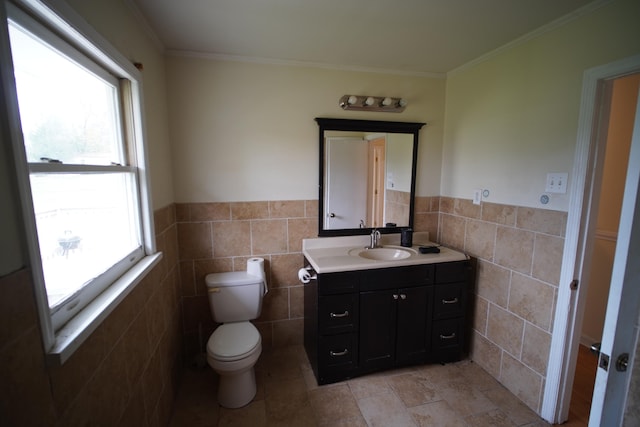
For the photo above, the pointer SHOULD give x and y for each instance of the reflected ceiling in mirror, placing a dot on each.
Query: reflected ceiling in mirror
(367, 175)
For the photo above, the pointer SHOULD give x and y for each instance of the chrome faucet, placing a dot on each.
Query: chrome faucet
(375, 239)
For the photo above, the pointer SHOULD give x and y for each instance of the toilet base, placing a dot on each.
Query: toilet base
(237, 385)
(238, 389)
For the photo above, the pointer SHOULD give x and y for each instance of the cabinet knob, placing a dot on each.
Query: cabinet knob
(395, 296)
(403, 296)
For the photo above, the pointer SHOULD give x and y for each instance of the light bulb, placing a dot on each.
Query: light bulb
(402, 102)
(369, 102)
(386, 102)
(352, 100)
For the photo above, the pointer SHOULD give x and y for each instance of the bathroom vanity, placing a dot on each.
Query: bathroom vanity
(368, 310)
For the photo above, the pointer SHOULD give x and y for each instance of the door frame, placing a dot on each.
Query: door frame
(621, 323)
(376, 179)
(586, 181)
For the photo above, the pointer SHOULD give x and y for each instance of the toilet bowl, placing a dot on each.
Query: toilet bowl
(232, 351)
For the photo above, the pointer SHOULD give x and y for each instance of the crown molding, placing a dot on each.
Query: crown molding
(146, 27)
(305, 64)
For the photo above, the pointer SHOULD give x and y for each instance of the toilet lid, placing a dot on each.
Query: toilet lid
(232, 341)
(232, 278)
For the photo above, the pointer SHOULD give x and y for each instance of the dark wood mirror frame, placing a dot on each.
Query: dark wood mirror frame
(327, 124)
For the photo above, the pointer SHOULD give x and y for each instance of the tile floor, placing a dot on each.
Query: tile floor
(458, 394)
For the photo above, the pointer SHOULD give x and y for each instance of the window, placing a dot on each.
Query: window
(81, 154)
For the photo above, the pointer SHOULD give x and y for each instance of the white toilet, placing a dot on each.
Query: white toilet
(234, 347)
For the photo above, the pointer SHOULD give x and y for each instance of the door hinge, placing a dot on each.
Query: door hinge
(574, 284)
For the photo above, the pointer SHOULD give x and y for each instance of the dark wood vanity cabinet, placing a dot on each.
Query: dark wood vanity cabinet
(369, 320)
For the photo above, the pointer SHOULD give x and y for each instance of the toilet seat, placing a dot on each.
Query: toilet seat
(233, 341)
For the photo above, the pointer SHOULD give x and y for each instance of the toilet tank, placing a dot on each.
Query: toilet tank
(234, 296)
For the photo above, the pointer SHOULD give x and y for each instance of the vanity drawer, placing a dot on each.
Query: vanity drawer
(338, 283)
(449, 300)
(447, 340)
(452, 271)
(406, 277)
(338, 352)
(337, 313)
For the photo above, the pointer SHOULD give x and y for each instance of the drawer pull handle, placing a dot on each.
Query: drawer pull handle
(345, 314)
(338, 353)
(450, 301)
(448, 337)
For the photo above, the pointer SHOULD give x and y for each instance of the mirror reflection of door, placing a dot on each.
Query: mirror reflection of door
(376, 180)
(345, 186)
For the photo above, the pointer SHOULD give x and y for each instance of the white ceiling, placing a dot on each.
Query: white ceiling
(411, 36)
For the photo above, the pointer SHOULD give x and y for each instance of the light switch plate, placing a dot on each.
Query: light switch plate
(477, 196)
(557, 183)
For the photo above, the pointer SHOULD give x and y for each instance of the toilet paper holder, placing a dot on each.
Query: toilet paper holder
(305, 276)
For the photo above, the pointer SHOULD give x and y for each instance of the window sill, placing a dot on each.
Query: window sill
(69, 338)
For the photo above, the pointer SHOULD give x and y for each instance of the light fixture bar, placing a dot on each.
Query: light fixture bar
(373, 103)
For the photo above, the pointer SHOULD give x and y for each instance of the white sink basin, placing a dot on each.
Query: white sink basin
(387, 253)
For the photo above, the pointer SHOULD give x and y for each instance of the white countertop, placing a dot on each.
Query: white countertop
(333, 254)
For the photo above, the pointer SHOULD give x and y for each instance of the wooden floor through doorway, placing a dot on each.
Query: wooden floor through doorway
(582, 388)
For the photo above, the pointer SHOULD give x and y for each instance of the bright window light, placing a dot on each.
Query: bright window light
(83, 182)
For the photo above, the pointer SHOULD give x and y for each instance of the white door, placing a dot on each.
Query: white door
(346, 185)
(621, 324)
(621, 318)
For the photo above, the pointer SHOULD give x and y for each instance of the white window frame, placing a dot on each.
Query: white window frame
(61, 341)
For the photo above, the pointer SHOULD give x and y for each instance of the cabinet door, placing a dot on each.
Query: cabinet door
(377, 328)
(413, 340)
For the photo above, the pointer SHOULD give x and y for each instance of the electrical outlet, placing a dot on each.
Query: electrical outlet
(557, 183)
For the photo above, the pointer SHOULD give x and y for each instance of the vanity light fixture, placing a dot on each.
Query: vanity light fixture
(373, 103)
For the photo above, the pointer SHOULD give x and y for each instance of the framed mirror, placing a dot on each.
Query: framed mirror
(367, 176)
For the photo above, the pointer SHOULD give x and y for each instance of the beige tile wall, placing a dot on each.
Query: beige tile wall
(397, 206)
(519, 252)
(220, 237)
(426, 216)
(124, 374)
